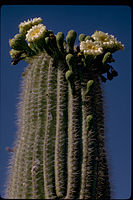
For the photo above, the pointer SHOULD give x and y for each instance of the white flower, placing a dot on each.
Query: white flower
(36, 20)
(101, 36)
(35, 33)
(107, 41)
(91, 48)
(26, 25)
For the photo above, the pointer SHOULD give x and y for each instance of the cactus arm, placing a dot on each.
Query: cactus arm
(53, 43)
(82, 37)
(60, 41)
(50, 134)
(89, 122)
(61, 132)
(19, 43)
(107, 58)
(89, 86)
(47, 47)
(69, 77)
(70, 39)
(74, 139)
(70, 60)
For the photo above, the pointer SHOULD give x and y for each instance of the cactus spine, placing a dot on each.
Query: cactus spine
(60, 149)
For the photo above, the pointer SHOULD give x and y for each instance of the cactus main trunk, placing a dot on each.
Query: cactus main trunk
(59, 151)
(57, 154)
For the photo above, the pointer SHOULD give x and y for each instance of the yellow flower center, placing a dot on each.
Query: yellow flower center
(35, 32)
(106, 40)
(102, 37)
(92, 47)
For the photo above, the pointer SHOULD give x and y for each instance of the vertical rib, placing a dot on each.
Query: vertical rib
(50, 133)
(89, 139)
(94, 168)
(103, 185)
(37, 158)
(29, 140)
(18, 167)
(61, 133)
(74, 139)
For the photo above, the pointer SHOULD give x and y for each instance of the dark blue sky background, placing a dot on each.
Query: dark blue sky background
(115, 20)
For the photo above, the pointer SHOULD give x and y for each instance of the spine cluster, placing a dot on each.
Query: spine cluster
(59, 151)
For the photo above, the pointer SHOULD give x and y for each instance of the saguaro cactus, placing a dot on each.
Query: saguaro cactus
(59, 150)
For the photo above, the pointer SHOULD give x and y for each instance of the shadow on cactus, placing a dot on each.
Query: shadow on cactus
(59, 149)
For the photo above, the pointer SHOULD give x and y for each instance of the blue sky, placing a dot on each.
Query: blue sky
(115, 20)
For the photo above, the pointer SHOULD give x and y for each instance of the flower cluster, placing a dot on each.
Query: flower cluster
(26, 25)
(36, 20)
(33, 38)
(107, 41)
(102, 41)
(36, 33)
(29, 40)
(91, 48)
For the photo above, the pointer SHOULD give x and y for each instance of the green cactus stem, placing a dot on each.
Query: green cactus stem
(32, 160)
(37, 162)
(48, 47)
(70, 39)
(27, 164)
(60, 41)
(82, 37)
(70, 60)
(50, 133)
(69, 77)
(89, 121)
(60, 149)
(13, 189)
(74, 139)
(92, 126)
(103, 185)
(89, 86)
(19, 43)
(107, 58)
(61, 132)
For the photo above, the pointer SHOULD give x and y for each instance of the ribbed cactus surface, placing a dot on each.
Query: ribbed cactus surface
(59, 150)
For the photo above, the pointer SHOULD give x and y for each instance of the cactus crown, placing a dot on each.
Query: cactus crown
(34, 38)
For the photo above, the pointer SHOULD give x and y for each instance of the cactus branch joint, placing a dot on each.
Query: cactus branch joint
(60, 149)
